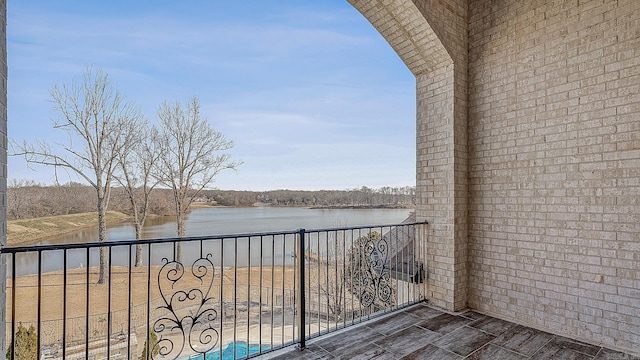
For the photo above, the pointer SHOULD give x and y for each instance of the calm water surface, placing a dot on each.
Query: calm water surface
(213, 221)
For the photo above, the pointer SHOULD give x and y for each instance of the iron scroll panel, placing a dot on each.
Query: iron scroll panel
(374, 276)
(180, 326)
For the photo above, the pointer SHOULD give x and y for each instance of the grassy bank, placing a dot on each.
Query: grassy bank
(28, 230)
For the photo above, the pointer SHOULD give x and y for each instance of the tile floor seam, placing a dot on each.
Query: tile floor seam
(498, 346)
(486, 332)
(576, 342)
(509, 350)
(542, 347)
(598, 353)
(447, 333)
(583, 353)
(450, 351)
(476, 350)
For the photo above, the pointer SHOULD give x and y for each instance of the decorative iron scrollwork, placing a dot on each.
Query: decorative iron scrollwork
(372, 274)
(188, 315)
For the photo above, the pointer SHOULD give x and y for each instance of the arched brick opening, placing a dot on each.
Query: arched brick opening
(430, 37)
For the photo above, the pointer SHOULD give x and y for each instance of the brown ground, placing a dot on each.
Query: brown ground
(95, 327)
(52, 291)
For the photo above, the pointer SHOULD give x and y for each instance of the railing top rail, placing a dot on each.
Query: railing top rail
(365, 227)
(50, 247)
(115, 243)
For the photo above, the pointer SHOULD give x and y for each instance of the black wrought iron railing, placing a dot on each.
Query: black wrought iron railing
(228, 297)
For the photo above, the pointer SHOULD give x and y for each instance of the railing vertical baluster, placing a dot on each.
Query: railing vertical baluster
(248, 290)
(318, 282)
(86, 321)
(307, 282)
(360, 289)
(147, 333)
(14, 279)
(301, 289)
(39, 301)
(344, 278)
(417, 287)
(411, 257)
(410, 268)
(109, 306)
(353, 242)
(329, 289)
(64, 304)
(222, 312)
(260, 290)
(338, 280)
(294, 304)
(235, 296)
(273, 282)
(129, 308)
(416, 262)
(282, 342)
(423, 247)
(399, 233)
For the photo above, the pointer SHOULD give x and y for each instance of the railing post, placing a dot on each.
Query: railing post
(301, 286)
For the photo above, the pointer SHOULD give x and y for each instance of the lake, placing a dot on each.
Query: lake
(214, 221)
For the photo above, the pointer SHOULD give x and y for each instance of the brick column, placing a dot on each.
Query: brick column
(431, 38)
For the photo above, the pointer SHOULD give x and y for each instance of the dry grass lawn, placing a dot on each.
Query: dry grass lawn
(26, 231)
(77, 292)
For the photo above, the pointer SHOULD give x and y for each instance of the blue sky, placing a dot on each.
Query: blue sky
(311, 94)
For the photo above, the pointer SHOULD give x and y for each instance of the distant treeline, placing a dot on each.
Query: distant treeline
(27, 199)
(362, 197)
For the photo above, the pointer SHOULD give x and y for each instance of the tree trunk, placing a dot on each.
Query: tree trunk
(181, 233)
(138, 247)
(102, 236)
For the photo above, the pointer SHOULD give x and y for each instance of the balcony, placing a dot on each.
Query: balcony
(309, 294)
(223, 297)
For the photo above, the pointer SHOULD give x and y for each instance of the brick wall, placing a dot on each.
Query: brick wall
(554, 165)
(528, 157)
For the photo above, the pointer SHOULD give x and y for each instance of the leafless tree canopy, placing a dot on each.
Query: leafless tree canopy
(99, 124)
(192, 154)
(135, 165)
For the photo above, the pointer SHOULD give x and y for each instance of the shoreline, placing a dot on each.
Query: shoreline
(364, 207)
(24, 231)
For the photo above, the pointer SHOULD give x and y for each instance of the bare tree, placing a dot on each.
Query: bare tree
(334, 287)
(99, 124)
(355, 276)
(17, 202)
(192, 154)
(369, 275)
(135, 166)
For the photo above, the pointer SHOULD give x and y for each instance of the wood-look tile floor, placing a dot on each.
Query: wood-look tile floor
(423, 332)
